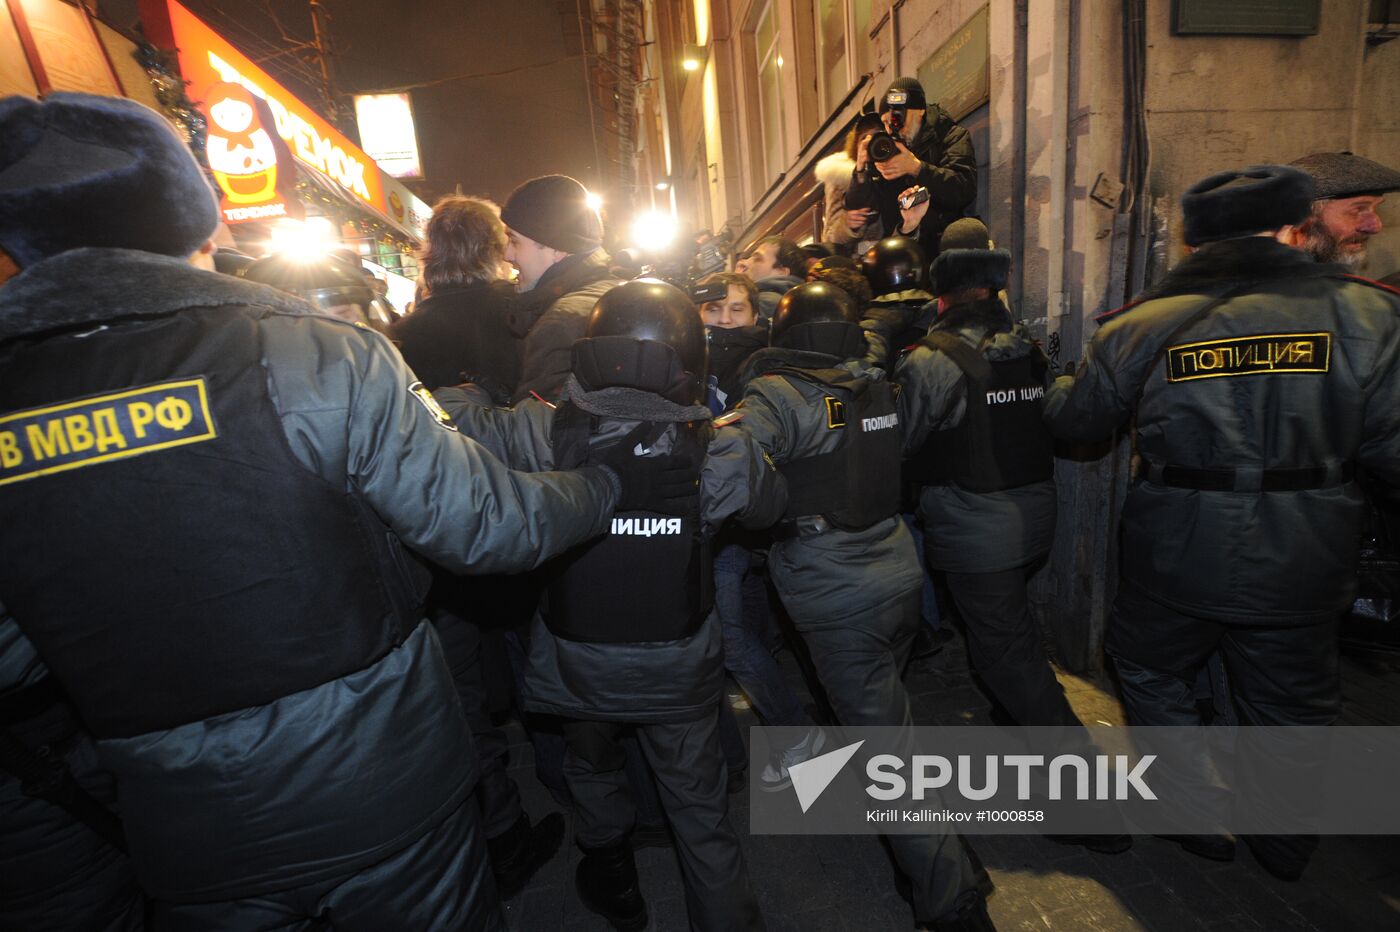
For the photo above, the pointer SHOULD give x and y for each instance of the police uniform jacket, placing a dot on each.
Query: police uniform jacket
(646, 681)
(1273, 396)
(271, 721)
(970, 532)
(825, 578)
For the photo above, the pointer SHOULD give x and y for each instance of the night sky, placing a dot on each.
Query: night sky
(485, 133)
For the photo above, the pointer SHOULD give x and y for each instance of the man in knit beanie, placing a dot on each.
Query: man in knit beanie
(555, 240)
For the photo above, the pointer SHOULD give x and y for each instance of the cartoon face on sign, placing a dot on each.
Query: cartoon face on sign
(240, 149)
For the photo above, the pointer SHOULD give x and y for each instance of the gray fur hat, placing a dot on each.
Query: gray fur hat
(1341, 174)
(83, 170)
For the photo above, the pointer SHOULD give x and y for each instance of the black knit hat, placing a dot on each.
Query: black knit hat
(911, 92)
(82, 170)
(1243, 202)
(553, 211)
(961, 269)
(1341, 174)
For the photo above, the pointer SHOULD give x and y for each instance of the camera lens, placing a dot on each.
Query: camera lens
(882, 147)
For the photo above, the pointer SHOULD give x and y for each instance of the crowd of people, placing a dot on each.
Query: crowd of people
(272, 579)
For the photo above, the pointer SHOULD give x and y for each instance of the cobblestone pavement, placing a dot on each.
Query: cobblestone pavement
(815, 884)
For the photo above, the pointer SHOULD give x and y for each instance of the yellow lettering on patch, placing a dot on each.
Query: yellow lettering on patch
(835, 412)
(85, 432)
(1263, 354)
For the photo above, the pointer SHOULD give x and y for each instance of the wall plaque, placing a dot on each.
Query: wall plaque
(957, 75)
(1246, 17)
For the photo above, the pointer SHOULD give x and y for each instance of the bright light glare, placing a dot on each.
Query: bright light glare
(662, 186)
(594, 201)
(307, 239)
(691, 64)
(654, 231)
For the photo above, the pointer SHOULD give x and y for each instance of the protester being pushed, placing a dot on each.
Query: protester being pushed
(459, 331)
(1258, 381)
(627, 637)
(236, 479)
(555, 242)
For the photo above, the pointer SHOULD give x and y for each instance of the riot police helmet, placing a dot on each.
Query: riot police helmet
(895, 263)
(326, 281)
(644, 334)
(819, 317)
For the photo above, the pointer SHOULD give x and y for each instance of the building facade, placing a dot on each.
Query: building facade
(1090, 118)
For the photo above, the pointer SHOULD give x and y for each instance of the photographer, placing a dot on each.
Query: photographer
(923, 148)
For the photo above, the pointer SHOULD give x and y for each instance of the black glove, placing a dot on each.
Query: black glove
(667, 484)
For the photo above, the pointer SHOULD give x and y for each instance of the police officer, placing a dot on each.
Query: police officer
(1260, 381)
(206, 489)
(899, 313)
(973, 392)
(842, 560)
(627, 638)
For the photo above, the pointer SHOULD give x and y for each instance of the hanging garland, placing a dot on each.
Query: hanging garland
(164, 73)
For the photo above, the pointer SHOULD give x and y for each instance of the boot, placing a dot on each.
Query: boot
(1210, 847)
(970, 916)
(607, 885)
(521, 850)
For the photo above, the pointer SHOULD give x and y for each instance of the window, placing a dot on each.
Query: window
(770, 96)
(844, 51)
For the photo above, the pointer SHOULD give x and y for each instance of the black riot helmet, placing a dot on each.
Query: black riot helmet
(326, 281)
(644, 334)
(820, 318)
(895, 263)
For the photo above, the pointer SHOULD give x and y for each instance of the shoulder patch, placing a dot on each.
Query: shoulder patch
(426, 399)
(835, 412)
(729, 417)
(102, 428)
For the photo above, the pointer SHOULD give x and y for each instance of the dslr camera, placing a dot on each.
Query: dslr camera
(883, 145)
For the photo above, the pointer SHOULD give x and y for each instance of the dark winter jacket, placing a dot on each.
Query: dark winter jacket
(949, 172)
(729, 349)
(551, 316)
(309, 782)
(893, 322)
(970, 532)
(771, 291)
(1298, 368)
(461, 333)
(654, 681)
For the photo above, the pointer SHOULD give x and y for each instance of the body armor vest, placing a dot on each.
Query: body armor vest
(168, 555)
(649, 578)
(857, 483)
(1002, 442)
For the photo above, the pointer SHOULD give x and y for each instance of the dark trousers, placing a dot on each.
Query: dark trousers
(1279, 675)
(1005, 647)
(442, 881)
(859, 660)
(690, 774)
(496, 793)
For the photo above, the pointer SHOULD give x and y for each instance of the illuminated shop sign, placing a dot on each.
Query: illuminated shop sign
(251, 162)
(206, 60)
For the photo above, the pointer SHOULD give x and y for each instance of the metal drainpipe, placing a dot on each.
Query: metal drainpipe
(1018, 155)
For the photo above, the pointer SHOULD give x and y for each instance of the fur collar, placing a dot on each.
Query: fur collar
(987, 315)
(91, 285)
(777, 357)
(1235, 261)
(835, 169)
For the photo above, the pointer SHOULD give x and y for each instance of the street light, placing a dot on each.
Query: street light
(693, 57)
(653, 231)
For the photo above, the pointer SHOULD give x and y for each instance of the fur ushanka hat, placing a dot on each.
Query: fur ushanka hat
(82, 170)
(1246, 201)
(962, 269)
